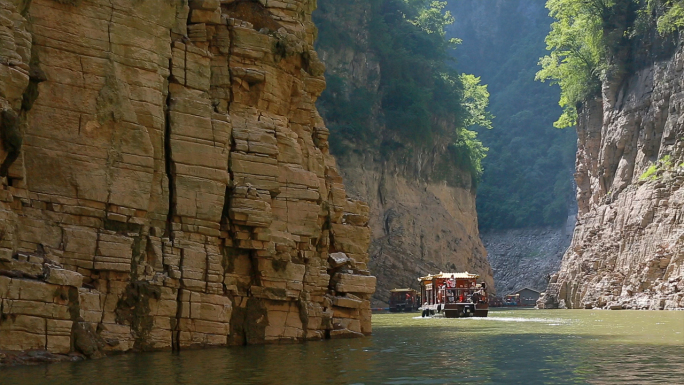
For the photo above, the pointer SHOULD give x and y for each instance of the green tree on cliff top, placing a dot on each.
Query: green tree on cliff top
(420, 94)
(585, 36)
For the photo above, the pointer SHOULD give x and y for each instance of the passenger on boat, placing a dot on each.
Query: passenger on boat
(482, 293)
(439, 306)
(451, 282)
(426, 311)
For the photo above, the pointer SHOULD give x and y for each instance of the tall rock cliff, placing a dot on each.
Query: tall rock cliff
(418, 226)
(166, 180)
(422, 206)
(628, 246)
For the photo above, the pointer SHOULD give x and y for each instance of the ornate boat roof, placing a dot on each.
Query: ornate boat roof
(464, 275)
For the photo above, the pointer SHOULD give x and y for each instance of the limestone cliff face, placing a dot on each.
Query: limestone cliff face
(418, 227)
(166, 180)
(628, 246)
(422, 208)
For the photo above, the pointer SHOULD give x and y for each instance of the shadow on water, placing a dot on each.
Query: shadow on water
(414, 352)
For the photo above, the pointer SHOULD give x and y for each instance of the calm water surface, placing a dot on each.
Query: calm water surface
(509, 347)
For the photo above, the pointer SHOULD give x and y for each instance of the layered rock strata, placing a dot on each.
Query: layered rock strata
(628, 246)
(418, 227)
(166, 180)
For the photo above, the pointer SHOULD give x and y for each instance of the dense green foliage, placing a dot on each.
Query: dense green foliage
(420, 98)
(527, 180)
(671, 14)
(586, 39)
(576, 46)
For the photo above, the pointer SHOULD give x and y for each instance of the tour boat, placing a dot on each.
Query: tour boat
(453, 295)
(406, 300)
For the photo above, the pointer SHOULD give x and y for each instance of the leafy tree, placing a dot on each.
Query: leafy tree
(589, 39)
(577, 49)
(670, 14)
(421, 98)
(476, 101)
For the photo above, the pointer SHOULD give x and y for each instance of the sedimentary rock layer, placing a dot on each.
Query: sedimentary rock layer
(628, 246)
(166, 180)
(418, 227)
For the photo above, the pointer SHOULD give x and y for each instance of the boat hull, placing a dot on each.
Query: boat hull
(462, 310)
(402, 308)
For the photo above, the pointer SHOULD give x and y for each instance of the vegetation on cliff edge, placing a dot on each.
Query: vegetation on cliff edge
(588, 41)
(421, 100)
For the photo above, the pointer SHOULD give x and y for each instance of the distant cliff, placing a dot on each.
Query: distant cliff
(422, 204)
(166, 180)
(526, 257)
(628, 246)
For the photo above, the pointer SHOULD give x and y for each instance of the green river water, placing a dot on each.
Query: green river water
(508, 347)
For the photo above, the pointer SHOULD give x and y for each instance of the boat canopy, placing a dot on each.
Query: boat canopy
(401, 290)
(465, 275)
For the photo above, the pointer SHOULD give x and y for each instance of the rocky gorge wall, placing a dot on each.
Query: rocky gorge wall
(166, 180)
(628, 247)
(526, 257)
(417, 227)
(421, 222)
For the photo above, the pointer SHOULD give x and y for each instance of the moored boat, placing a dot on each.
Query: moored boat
(403, 300)
(454, 295)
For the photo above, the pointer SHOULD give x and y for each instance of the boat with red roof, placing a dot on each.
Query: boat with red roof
(453, 295)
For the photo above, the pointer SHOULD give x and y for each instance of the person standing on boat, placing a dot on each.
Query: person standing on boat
(473, 289)
(483, 291)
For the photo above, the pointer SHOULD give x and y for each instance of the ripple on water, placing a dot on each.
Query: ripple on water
(549, 321)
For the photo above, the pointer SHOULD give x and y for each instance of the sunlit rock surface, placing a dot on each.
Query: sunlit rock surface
(628, 246)
(166, 179)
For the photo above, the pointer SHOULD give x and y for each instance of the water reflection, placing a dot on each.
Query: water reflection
(525, 347)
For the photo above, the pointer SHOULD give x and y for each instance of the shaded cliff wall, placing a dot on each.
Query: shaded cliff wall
(628, 246)
(166, 179)
(526, 257)
(418, 227)
(422, 208)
